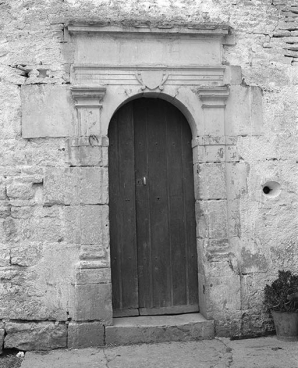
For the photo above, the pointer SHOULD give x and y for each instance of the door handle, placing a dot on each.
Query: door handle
(144, 181)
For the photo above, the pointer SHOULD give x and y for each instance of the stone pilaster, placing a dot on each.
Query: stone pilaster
(88, 151)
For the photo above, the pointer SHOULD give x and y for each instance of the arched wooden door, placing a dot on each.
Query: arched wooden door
(152, 214)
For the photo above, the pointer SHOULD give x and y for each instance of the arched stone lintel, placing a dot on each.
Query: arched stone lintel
(174, 98)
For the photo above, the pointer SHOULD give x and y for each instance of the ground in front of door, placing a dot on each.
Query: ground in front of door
(218, 353)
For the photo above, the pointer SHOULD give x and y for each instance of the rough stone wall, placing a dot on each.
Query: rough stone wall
(38, 232)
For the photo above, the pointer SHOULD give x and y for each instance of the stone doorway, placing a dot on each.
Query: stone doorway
(152, 210)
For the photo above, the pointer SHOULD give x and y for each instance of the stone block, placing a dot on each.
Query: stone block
(4, 211)
(253, 259)
(20, 191)
(88, 156)
(252, 291)
(92, 251)
(210, 181)
(1, 340)
(26, 254)
(24, 212)
(35, 336)
(214, 121)
(85, 335)
(9, 229)
(47, 111)
(93, 302)
(4, 255)
(224, 294)
(138, 330)
(46, 225)
(234, 221)
(212, 154)
(212, 219)
(233, 75)
(78, 185)
(237, 176)
(216, 250)
(94, 225)
(244, 111)
(189, 52)
(61, 186)
(93, 276)
(3, 192)
(228, 327)
(94, 187)
(72, 224)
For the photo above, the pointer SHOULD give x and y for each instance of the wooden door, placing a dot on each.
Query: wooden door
(152, 215)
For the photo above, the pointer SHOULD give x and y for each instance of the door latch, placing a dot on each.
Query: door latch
(142, 181)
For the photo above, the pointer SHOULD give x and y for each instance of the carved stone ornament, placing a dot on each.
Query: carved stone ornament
(152, 79)
(85, 96)
(213, 96)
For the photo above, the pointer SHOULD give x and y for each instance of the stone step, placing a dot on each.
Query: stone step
(153, 329)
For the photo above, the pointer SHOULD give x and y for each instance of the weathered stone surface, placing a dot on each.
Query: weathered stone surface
(94, 185)
(93, 302)
(26, 254)
(43, 291)
(4, 255)
(244, 111)
(60, 186)
(76, 186)
(93, 251)
(46, 111)
(4, 211)
(88, 156)
(35, 336)
(85, 334)
(212, 219)
(20, 191)
(136, 330)
(94, 232)
(93, 276)
(2, 331)
(210, 181)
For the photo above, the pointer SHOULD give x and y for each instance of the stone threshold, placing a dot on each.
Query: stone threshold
(154, 329)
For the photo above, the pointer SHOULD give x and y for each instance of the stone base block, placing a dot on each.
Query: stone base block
(85, 335)
(153, 329)
(35, 336)
(93, 302)
(1, 339)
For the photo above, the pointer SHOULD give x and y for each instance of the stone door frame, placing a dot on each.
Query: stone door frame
(200, 92)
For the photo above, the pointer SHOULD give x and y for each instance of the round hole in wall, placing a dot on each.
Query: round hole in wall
(271, 189)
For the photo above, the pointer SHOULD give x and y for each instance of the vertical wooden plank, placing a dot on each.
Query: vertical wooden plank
(122, 212)
(189, 205)
(114, 213)
(142, 205)
(157, 168)
(177, 223)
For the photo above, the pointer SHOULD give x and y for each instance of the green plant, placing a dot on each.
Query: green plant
(280, 296)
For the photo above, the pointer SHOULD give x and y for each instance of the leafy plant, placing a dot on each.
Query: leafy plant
(280, 296)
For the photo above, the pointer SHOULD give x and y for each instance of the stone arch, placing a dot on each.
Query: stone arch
(174, 100)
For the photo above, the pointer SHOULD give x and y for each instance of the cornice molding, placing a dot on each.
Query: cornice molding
(213, 96)
(204, 29)
(88, 96)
